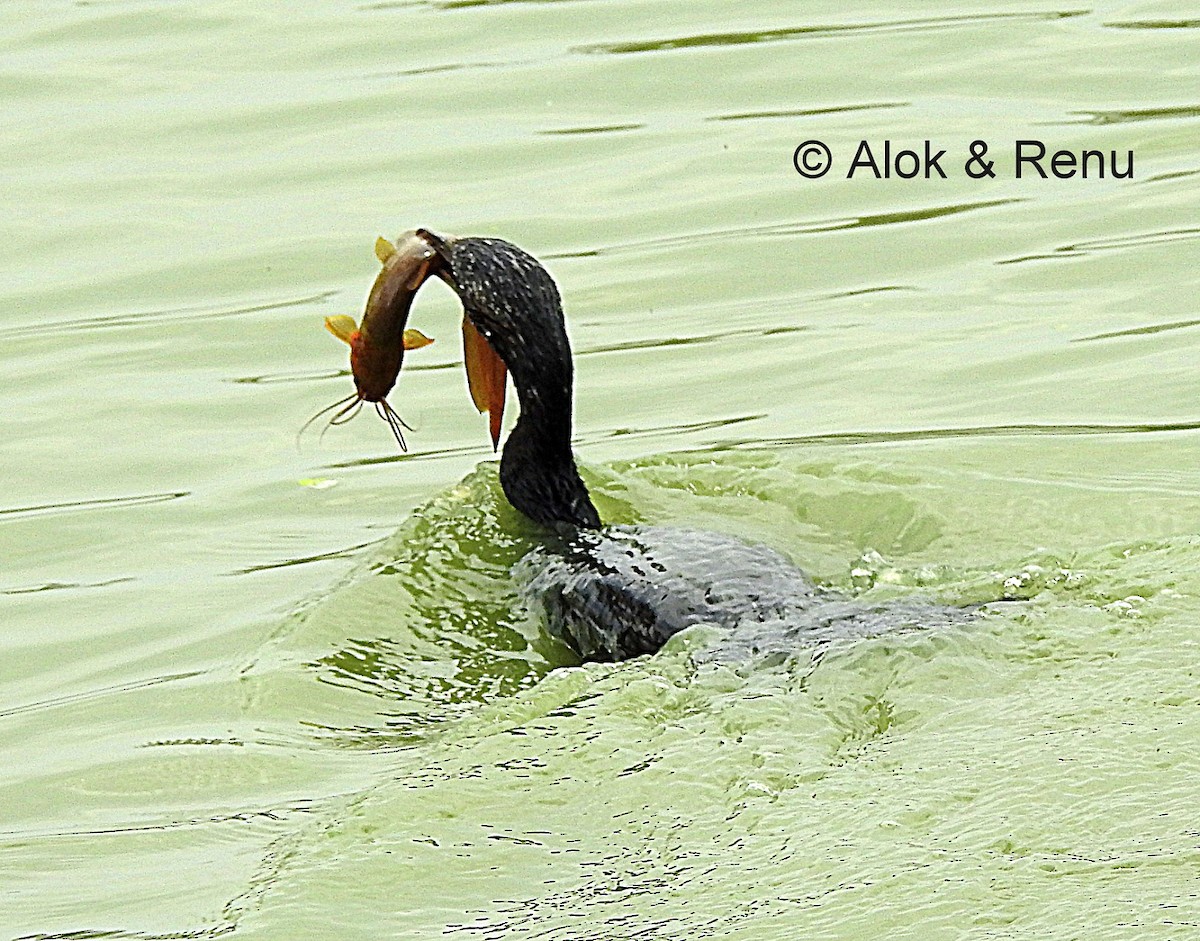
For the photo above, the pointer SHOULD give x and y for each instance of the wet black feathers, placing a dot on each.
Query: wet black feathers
(514, 303)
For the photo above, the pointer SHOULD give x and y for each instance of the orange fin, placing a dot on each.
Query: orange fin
(487, 377)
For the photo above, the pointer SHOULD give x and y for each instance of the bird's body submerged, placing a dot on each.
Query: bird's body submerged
(620, 592)
(624, 591)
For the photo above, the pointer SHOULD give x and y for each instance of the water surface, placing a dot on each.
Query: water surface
(275, 692)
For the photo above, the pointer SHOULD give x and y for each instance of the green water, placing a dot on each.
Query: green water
(291, 693)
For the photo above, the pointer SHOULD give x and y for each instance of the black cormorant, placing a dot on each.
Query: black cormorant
(615, 592)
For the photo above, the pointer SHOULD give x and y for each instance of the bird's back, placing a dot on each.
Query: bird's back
(622, 592)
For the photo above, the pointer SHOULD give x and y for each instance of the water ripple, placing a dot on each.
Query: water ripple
(84, 696)
(1155, 24)
(805, 32)
(439, 68)
(1140, 331)
(1031, 429)
(977, 431)
(673, 428)
(777, 230)
(1081, 249)
(1171, 175)
(594, 129)
(118, 934)
(273, 815)
(103, 503)
(268, 379)
(580, 441)
(348, 552)
(166, 315)
(808, 112)
(453, 4)
(657, 343)
(1138, 114)
(63, 586)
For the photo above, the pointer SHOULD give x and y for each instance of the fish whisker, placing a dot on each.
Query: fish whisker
(345, 415)
(328, 408)
(385, 411)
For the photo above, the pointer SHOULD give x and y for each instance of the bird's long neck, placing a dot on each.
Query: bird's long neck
(537, 468)
(514, 304)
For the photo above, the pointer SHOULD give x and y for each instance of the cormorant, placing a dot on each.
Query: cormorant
(616, 592)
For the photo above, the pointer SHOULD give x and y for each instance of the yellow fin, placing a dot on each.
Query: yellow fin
(384, 249)
(341, 326)
(415, 339)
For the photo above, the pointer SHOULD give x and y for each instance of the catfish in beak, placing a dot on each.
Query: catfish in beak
(377, 345)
